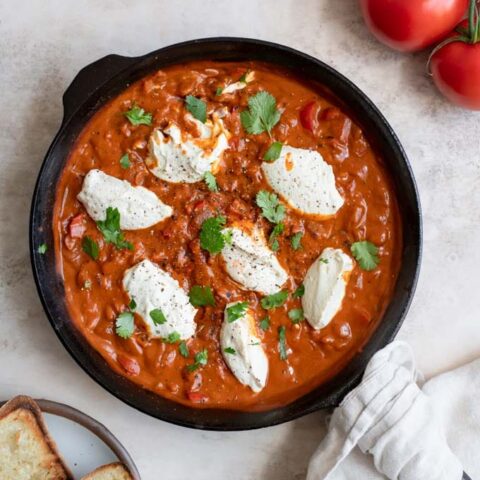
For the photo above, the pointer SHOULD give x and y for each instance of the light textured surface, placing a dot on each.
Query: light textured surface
(42, 46)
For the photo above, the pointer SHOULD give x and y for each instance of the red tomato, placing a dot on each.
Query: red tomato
(309, 116)
(455, 67)
(410, 25)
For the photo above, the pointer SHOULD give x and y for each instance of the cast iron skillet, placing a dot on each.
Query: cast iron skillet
(96, 84)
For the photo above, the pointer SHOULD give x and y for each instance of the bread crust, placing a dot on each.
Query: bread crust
(105, 468)
(22, 402)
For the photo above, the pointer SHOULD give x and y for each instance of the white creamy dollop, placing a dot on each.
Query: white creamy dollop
(138, 207)
(152, 288)
(247, 360)
(325, 284)
(305, 181)
(250, 262)
(178, 157)
(240, 85)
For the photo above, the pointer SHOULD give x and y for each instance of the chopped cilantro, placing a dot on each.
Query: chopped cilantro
(173, 337)
(366, 254)
(265, 324)
(218, 91)
(183, 349)
(275, 300)
(197, 107)
(157, 316)
(125, 161)
(296, 315)
(90, 247)
(272, 209)
(236, 311)
(42, 249)
(323, 260)
(211, 236)
(200, 359)
(276, 232)
(273, 152)
(138, 116)
(296, 240)
(230, 350)
(262, 114)
(282, 343)
(299, 292)
(110, 228)
(201, 296)
(132, 305)
(125, 325)
(210, 181)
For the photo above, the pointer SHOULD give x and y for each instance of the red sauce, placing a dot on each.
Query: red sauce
(94, 290)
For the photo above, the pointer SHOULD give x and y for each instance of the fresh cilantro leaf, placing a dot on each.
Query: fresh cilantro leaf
(90, 247)
(273, 152)
(272, 209)
(125, 325)
(125, 161)
(299, 292)
(243, 78)
(201, 296)
(132, 305)
(282, 343)
(296, 315)
(211, 181)
(42, 249)
(228, 236)
(138, 116)
(230, 350)
(173, 337)
(366, 254)
(197, 107)
(110, 228)
(323, 260)
(236, 311)
(211, 236)
(157, 316)
(218, 91)
(262, 114)
(200, 359)
(276, 232)
(296, 240)
(265, 324)
(183, 349)
(275, 300)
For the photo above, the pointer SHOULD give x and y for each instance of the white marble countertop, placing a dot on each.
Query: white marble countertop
(44, 44)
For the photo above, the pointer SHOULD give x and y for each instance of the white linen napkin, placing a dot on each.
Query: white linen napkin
(388, 427)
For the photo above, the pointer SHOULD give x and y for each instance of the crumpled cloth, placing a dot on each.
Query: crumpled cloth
(390, 428)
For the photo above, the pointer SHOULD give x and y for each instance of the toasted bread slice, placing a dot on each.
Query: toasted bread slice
(27, 452)
(112, 471)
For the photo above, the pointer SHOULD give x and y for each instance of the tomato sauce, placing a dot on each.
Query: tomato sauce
(93, 289)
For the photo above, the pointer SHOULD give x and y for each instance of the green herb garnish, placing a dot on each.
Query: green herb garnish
(282, 343)
(201, 296)
(273, 152)
(211, 237)
(90, 247)
(299, 292)
(275, 300)
(125, 161)
(125, 325)
(296, 315)
(218, 91)
(183, 349)
(236, 311)
(366, 254)
(138, 116)
(262, 114)
(210, 181)
(157, 316)
(265, 324)
(42, 249)
(173, 337)
(201, 359)
(110, 228)
(296, 240)
(272, 209)
(132, 305)
(197, 107)
(276, 232)
(230, 350)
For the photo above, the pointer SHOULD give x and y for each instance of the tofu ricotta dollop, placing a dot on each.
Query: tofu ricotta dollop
(179, 157)
(305, 181)
(138, 207)
(154, 289)
(250, 262)
(243, 352)
(325, 285)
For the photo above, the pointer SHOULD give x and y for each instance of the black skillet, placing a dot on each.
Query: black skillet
(100, 81)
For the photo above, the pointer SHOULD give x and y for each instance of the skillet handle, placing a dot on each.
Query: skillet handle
(91, 78)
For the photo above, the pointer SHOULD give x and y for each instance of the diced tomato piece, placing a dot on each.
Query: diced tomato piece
(197, 397)
(130, 365)
(77, 227)
(309, 116)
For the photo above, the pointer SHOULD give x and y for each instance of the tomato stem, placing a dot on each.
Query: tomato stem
(473, 22)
